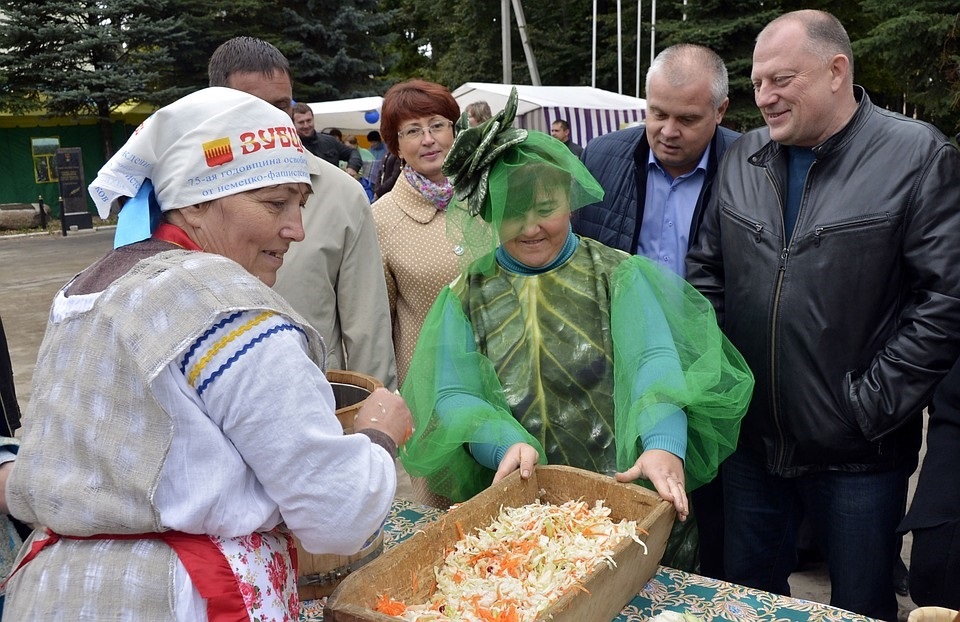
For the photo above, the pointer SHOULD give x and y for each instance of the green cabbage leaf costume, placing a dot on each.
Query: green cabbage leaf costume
(581, 360)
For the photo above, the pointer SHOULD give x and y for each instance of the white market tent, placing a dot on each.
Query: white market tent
(350, 116)
(590, 111)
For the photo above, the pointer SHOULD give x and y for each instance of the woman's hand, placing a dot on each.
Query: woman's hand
(388, 413)
(665, 471)
(520, 456)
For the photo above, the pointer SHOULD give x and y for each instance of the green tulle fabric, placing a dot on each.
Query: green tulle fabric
(497, 171)
(578, 362)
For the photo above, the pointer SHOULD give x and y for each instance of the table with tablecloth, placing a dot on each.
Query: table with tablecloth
(668, 590)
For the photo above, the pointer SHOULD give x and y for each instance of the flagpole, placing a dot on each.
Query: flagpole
(638, 46)
(619, 51)
(653, 29)
(593, 78)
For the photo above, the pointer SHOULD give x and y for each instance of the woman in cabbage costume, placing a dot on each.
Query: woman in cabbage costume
(551, 348)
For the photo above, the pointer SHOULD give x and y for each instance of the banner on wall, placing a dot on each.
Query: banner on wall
(44, 152)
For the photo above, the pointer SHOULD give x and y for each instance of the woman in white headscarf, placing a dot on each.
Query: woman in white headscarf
(180, 411)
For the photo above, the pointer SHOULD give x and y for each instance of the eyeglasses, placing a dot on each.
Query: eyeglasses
(415, 132)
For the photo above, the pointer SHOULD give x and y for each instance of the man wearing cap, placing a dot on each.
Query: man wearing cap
(334, 278)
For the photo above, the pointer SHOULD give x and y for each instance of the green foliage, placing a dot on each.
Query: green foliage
(409, 53)
(911, 58)
(334, 46)
(205, 25)
(729, 28)
(85, 58)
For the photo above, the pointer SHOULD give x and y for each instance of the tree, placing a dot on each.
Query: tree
(334, 46)
(337, 49)
(562, 37)
(462, 46)
(206, 25)
(729, 28)
(410, 52)
(910, 57)
(86, 58)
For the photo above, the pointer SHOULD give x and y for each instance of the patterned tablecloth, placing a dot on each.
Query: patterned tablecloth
(668, 590)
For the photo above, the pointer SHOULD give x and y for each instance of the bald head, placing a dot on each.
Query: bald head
(803, 78)
(825, 35)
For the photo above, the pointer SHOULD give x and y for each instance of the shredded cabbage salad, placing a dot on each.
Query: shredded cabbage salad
(521, 564)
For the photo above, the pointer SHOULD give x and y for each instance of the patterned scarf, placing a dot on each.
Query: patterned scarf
(438, 194)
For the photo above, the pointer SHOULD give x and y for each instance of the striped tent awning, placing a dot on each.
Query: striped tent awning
(589, 111)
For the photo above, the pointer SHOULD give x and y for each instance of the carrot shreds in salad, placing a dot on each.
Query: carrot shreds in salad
(522, 563)
(389, 606)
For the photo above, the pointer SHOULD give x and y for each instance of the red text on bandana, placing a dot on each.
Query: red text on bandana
(270, 138)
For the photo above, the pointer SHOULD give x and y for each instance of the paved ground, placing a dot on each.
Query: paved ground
(33, 268)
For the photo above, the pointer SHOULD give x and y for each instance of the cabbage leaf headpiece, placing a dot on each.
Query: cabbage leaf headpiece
(476, 149)
(495, 170)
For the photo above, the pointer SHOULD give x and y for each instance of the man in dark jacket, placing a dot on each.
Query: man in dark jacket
(934, 515)
(829, 249)
(324, 146)
(656, 179)
(560, 129)
(9, 407)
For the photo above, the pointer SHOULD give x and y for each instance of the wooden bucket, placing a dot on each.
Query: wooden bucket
(350, 388)
(319, 575)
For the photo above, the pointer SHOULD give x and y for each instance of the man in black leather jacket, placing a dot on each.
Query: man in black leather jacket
(934, 515)
(674, 156)
(830, 250)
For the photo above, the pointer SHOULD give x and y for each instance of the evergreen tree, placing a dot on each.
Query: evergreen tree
(335, 47)
(86, 58)
(729, 28)
(561, 34)
(410, 52)
(467, 46)
(205, 25)
(909, 59)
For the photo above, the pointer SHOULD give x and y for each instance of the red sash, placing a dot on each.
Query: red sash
(208, 569)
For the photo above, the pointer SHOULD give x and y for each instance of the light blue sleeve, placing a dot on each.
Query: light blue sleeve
(458, 394)
(659, 363)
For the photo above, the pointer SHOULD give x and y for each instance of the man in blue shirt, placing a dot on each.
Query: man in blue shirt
(657, 176)
(657, 179)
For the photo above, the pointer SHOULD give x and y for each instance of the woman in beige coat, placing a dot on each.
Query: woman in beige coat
(418, 257)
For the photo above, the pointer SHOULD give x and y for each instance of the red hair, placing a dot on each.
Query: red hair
(411, 100)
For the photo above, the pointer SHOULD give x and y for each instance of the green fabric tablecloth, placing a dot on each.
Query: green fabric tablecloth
(668, 590)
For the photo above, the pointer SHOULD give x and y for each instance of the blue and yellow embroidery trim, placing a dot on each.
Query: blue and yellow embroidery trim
(248, 333)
